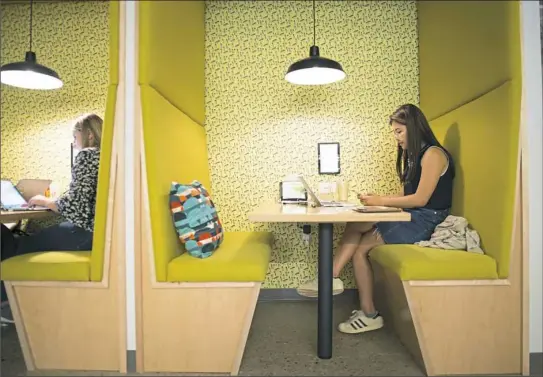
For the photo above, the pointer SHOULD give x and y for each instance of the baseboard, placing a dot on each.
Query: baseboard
(290, 294)
(536, 364)
(131, 361)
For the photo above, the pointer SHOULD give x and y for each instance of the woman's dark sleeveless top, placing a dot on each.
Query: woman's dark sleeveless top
(442, 196)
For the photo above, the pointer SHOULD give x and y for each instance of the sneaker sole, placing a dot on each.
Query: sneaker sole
(313, 294)
(6, 320)
(350, 330)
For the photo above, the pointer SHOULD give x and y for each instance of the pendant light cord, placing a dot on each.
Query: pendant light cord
(314, 30)
(31, 25)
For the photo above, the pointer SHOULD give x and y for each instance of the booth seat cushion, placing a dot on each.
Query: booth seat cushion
(411, 262)
(242, 257)
(48, 266)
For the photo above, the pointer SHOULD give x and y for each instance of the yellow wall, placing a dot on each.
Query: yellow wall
(261, 128)
(466, 48)
(175, 45)
(73, 39)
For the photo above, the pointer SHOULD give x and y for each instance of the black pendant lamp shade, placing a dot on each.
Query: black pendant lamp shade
(28, 74)
(314, 70)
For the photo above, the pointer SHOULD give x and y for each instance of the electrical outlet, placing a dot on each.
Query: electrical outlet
(306, 234)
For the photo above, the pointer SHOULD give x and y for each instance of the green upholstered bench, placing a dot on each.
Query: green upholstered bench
(176, 150)
(411, 262)
(243, 256)
(484, 192)
(449, 307)
(75, 265)
(64, 302)
(182, 295)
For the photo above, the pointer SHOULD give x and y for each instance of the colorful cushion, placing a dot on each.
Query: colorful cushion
(195, 219)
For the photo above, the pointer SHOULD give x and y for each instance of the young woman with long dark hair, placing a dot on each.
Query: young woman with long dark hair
(426, 171)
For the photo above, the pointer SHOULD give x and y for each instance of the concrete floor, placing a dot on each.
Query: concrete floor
(282, 342)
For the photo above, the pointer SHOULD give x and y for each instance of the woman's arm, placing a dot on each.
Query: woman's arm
(42, 201)
(398, 195)
(433, 163)
(52, 205)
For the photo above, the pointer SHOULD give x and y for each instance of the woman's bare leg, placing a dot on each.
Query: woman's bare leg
(363, 272)
(349, 244)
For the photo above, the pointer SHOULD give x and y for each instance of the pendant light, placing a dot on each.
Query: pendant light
(314, 70)
(28, 74)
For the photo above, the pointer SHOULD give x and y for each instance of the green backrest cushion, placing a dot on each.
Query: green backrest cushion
(483, 138)
(175, 149)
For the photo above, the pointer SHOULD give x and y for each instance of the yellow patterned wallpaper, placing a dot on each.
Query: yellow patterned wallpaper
(261, 128)
(36, 126)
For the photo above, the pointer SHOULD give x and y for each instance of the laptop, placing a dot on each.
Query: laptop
(12, 199)
(32, 187)
(292, 193)
(316, 200)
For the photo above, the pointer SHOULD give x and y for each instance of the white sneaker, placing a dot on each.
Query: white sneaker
(311, 288)
(5, 320)
(358, 323)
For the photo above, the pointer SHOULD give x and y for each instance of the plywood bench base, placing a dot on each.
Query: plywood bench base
(63, 327)
(454, 330)
(196, 327)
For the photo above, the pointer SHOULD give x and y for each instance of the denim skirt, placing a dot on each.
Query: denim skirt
(420, 228)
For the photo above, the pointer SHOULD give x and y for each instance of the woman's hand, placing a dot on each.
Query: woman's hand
(371, 200)
(40, 201)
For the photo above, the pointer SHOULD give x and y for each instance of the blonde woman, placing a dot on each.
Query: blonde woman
(76, 205)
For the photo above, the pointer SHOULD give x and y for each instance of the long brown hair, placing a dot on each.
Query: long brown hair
(418, 134)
